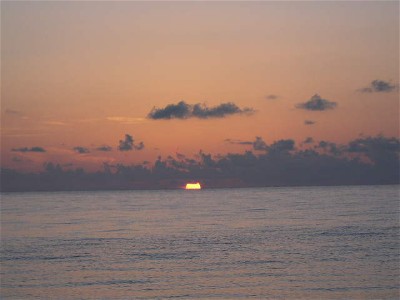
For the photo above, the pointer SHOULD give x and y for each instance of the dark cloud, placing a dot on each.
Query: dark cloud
(238, 142)
(365, 160)
(139, 146)
(308, 140)
(378, 86)
(271, 97)
(316, 103)
(26, 149)
(379, 149)
(282, 146)
(309, 122)
(180, 156)
(128, 144)
(81, 150)
(259, 144)
(182, 110)
(329, 147)
(104, 148)
(370, 144)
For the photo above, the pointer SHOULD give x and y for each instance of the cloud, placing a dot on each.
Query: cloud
(104, 148)
(182, 110)
(128, 144)
(308, 140)
(282, 146)
(378, 86)
(368, 144)
(26, 149)
(309, 122)
(126, 120)
(379, 149)
(55, 123)
(238, 142)
(259, 144)
(81, 150)
(316, 103)
(329, 147)
(271, 97)
(281, 165)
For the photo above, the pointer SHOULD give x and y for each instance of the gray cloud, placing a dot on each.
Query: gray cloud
(238, 142)
(104, 148)
(316, 103)
(271, 97)
(366, 160)
(329, 147)
(128, 144)
(282, 146)
(378, 149)
(26, 149)
(81, 150)
(309, 122)
(182, 110)
(378, 86)
(308, 140)
(259, 144)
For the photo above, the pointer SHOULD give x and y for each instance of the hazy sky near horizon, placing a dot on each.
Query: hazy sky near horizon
(77, 76)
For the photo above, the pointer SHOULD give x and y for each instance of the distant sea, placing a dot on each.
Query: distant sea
(263, 243)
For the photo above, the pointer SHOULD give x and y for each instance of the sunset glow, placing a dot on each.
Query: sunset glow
(193, 186)
(147, 94)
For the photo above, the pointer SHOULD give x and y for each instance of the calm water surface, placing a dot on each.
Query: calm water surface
(312, 243)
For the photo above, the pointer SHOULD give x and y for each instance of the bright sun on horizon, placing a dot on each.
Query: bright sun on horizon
(193, 186)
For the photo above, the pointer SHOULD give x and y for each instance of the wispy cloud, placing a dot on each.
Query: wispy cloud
(81, 150)
(316, 103)
(126, 120)
(238, 142)
(182, 110)
(26, 149)
(104, 148)
(271, 97)
(309, 122)
(55, 123)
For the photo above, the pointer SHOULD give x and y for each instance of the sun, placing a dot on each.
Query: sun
(193, 186)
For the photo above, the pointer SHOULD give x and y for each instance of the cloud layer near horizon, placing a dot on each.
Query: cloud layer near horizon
(365, 160)
(183, 110)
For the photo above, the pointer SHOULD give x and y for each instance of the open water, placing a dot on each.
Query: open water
(262, 243)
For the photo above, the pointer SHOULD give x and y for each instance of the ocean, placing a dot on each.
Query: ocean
(261, 243)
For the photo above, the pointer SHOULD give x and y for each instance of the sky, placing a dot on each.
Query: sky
(85, 84)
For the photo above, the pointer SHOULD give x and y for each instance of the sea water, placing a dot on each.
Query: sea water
(262, 243)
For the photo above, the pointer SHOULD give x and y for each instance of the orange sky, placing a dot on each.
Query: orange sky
(87, 73)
